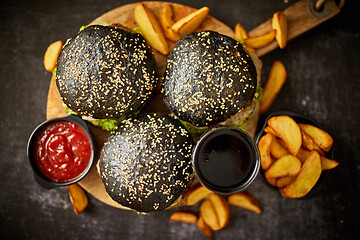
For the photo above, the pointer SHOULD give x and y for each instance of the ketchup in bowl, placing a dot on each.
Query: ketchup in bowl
(62, 151)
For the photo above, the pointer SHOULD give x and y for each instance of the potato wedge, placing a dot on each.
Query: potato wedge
(270, 180)
(78, 198)
(196, 194)
(320, 137)
(289, 132)
(190, 22)
(246, 201)
(306, 179)
(240, 32)
(249, 49)
(204, 228)
(166, 21)
(288, 165)
(222, 210)
(308, 143)
(284, 181)
(303, 154)
(275, 81)
(279, 23)
(264, 148)
(151, 29)
(268, 129)
(261, 40)
(184, 216)
(51, 55)
(326, 163)
(277, 149)
(208, 213)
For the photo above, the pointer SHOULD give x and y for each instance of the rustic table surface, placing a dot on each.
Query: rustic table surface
(323, 83)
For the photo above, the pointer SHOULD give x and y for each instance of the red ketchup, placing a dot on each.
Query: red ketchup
(62, 151)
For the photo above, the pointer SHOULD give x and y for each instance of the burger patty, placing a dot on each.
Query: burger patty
(146, 164)
(106, 72)
(208, 78)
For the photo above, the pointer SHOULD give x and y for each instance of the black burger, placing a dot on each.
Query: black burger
(210, 79)
(106, 72)
(146, 163)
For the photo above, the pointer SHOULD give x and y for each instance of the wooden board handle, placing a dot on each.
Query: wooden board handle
(301, 17)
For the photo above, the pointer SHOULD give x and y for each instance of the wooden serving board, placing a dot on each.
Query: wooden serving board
(125, 15)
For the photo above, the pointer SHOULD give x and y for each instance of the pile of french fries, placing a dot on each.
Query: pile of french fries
(214, 212)
(278, 32)
(293, 155)
(156, 32)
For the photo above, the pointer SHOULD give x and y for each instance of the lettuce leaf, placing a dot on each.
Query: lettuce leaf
(243, 124)
(192, 130)
(107, 124)
(258, 93)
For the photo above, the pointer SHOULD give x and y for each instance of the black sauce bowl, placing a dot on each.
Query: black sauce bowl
(40, 178)
(299, 118)
(247, 141)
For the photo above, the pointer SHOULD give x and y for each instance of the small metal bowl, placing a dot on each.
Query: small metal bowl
(225, 134)
(299, 119)
(40, 178)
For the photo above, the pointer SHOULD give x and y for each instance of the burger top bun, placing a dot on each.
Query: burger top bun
(208, 78)
(106, 72)
(146, 164)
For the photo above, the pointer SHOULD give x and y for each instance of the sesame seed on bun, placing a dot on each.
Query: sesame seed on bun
(146, 163)
(209, 77)
(106, 72)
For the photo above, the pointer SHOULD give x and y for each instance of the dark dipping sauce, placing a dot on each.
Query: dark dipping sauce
(224, 161)
(62, 151)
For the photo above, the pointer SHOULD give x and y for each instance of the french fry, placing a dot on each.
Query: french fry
(51, 55)
(204, 228)
(78, 198)
(246, 201)
(240, 32)
(264, 148)
(222, 210)
(151, 29)
(288, 165)
(190, 22)
(308, 143)
(249, 49)
(306, 179)
(277, 150)
(196, 194)
(289, 132)
(184, 216)
(275, 81)
(279, 23)
(208, 213)
(326, 163)
(284, 181)
(320, 137)
(303, 154)
(268, 129)
(261, 40)
(271, 181)
(166, 21)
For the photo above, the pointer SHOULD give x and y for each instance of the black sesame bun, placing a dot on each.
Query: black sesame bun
(106, 72)
(209, 77)
(146, 164)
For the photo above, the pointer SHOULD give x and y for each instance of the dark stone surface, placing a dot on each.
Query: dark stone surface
(324, 78)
